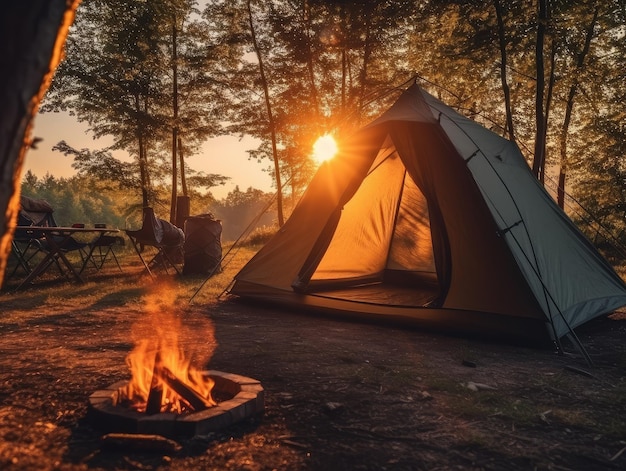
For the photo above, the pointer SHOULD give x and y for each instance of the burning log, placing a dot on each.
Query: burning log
(193, 398)
(153, 404)
(155, 397)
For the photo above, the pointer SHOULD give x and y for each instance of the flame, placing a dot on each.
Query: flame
(158, 363)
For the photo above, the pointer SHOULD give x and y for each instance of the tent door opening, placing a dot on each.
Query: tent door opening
(382, 245)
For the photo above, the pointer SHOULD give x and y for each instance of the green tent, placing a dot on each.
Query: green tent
(427, 216)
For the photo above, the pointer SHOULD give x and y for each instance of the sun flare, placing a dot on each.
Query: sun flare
(324, 148)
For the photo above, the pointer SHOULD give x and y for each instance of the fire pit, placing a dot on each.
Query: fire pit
(168, 394)
(238, 398)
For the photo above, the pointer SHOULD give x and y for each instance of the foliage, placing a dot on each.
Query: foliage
(100, 165)
(260, 235)
(117, 77)
(241, 212)
(86, 199)
(604, 195)
(308, 48)
(79, 199)
(330, 66)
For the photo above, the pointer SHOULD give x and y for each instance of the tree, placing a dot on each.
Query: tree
(79, 199)
(506, 91)
(270, 116)
(137, 71)
(603, 195)
(110, 77)
(240, 209)
(32, 36)
(195, 98)
(292, 58)
(581, 55)
(595, 159)
(115, 174)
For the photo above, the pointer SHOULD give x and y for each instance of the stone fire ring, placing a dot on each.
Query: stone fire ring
(246, 401)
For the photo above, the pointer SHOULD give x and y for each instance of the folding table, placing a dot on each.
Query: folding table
(56, 240)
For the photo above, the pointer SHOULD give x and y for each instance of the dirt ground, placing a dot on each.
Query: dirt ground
(339, 395)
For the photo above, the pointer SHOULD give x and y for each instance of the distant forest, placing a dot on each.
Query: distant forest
(163, 76)
(85, 200)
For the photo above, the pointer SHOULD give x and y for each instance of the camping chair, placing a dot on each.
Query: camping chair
(162, 235)
(25, 246)
(99, 250)
(66, 244)
(28, 243)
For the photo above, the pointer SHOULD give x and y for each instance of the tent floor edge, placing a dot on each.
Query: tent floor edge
(485, 326)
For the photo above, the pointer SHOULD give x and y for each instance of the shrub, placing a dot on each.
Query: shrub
(260, 235)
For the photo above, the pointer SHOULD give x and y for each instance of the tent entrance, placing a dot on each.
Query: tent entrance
(382, 243)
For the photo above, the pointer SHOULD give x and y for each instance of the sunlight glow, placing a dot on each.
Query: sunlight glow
(324, 148)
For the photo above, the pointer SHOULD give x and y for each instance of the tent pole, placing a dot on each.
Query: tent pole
(579, 346)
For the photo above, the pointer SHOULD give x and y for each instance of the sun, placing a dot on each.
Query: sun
(324, 148)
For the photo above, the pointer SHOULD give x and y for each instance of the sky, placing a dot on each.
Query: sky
(225, 155)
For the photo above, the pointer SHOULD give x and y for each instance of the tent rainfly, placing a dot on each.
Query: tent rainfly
(427, 216)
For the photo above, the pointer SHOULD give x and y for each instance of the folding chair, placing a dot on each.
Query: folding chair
(28, 243)
(99, 250)
(162, 235)
(25, 246)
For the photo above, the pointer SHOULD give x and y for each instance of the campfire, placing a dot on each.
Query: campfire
(167, 393)
(163, 379)
(165, 384)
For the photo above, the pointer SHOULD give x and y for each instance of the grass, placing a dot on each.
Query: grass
(110, 286)
(558, 401)
(260, 235)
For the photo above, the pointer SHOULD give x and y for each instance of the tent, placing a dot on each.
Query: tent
(428, 217)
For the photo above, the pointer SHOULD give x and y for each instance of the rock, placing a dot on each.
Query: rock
(478, 386)
(333, 408)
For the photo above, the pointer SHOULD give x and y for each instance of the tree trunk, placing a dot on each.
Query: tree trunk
(548, 106)
(181, 164)
(270, 118)
(175, 122)
(540, 131)
(143, 172)
(310, 68)
(344, 66)
(367, 54)
(174, 175)
(569, 107)
(143, 161)
(32, 35)
(503, 64)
